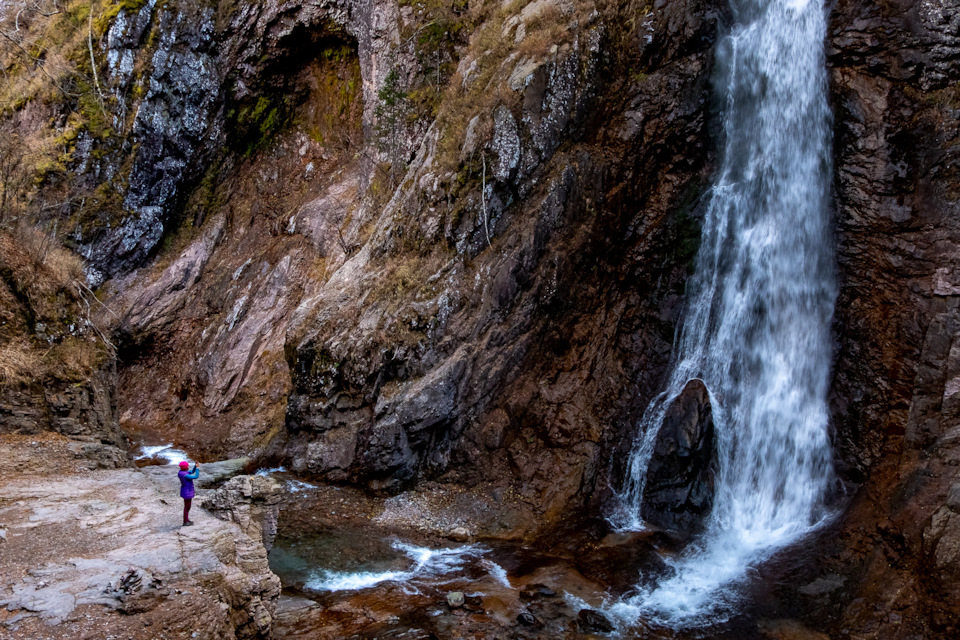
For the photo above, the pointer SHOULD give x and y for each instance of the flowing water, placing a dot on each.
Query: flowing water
(394, 561)
(759, 307)
(167, 452)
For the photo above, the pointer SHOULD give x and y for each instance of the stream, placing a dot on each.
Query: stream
(348, 572)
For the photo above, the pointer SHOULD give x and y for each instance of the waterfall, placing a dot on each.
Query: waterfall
(757, 322)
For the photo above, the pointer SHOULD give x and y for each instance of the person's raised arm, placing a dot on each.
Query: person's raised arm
(193, 475)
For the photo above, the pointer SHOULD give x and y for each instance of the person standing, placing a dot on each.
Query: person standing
(186, 489)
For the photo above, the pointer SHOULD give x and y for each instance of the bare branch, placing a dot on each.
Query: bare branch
(483, 197)
(38, 9)
(93, 62)
(38, 62)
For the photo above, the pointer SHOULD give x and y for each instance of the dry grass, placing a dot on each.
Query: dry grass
(408, 272)
(37, 262)
(11, 321)
(42, 54)
(317, 271)
(487, 85)
(73, 359)
(541, 39)
(49, 93)
(40, 285)
(19, 362)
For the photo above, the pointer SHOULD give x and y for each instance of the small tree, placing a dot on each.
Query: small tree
(13, 174)
(391, 112)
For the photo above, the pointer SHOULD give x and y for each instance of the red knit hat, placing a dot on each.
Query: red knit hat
(184, 465)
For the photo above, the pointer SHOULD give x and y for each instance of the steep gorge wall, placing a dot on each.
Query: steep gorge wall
(508, 336)
(891, 569)
(512, 337)
(502, 309)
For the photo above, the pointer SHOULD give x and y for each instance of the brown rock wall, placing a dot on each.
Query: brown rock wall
(84, 411)
(533, 332)
(894, 68)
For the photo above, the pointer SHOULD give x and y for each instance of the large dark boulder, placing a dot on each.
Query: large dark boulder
(680, 479)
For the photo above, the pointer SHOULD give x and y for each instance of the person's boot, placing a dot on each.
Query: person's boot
(188, 523)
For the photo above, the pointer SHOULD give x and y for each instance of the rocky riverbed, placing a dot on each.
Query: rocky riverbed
(101, 553)
(447, 561)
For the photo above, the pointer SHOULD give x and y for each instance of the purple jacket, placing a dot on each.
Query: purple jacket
(186, 483)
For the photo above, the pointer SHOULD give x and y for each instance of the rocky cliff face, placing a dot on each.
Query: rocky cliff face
(205, 77)
(512, 313)
(57, 375)
(472, 272)
(894, 70)
(82, 411)
(252, 502)
(503, 312)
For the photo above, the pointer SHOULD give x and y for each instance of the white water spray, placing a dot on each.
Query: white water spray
(428, 564)
(757, 325)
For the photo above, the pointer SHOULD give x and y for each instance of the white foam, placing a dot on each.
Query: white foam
(497, 572)
(336, 581)
(296, 486)
(427, 563)
(756, 329)
(267, 472)
(165, 451)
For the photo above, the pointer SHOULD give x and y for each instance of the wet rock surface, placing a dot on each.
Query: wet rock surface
(590, 620)
(679, 490)
(555, 586)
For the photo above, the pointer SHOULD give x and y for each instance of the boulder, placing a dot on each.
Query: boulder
(536, 591)
(680, 478)
(527, 619)
(593, 621)
(252, 502)
(216, 472)
(459, 534)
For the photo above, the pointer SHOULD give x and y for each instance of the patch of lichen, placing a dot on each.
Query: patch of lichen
(209, 196)
(95, 111)
(106, 18)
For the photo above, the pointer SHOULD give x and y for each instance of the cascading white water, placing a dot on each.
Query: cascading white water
(759, 307)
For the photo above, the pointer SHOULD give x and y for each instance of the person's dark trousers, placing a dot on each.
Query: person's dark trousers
(186, 510)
